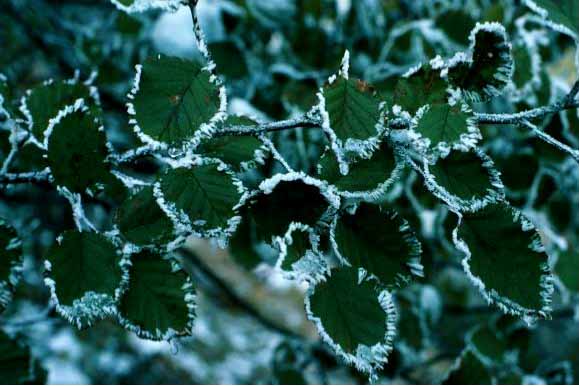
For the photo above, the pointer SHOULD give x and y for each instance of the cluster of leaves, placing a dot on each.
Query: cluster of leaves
(353, 195)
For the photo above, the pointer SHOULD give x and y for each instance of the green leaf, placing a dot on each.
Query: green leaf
(77, 150)
(84, 273)
(240, 152)
(423, 87)
(443, 127)
(456, 24)
(468, 370)
(201, 196)
(488, 67)
(380, 242)
(353, 317)
(353, 107)
(292, 198)
(174, 100)
(561, 15)
(160, 301)
(505, 259)
(10, 262)
(42, 103)
(241, 245)
(142, 221)
(467, 180)
(17, 366)
(567, 268)
(366, 178)
(489, 346)
(524, 71)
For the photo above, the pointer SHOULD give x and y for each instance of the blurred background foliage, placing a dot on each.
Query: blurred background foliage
(273, 56)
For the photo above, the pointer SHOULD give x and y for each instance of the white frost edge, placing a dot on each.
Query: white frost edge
(204, 131)
(544, 14)
(145, 5)
(413, 262)
(366, 359)
(379, 192)
(309, 267)
(466, 141)
(363, 148)
(29, 120)
(189, 298)
(91, 307)
(497, 193)
(183, 225)
(504, 304)
(502, 74)
(7, 286)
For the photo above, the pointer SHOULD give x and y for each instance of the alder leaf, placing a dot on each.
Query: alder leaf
(85, 274)
(175, 100)
(240, 152)
(142, 221)
(442, 127)
(77, 149)
(487, 68)
(380, 242)
(464, 180)
(10, 263)
(292, 198)
(424, 86)
(201, 197)
(353, 317)
(367, 178)
(42, 103)
(561, 15)
(159, 303)
(505, 260)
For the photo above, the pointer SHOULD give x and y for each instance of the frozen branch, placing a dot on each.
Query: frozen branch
(24, 178)
(551, 141)
(567, 103)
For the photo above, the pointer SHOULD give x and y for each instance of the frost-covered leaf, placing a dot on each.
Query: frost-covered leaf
(241, 152)
(505, 259)
(353, 317)
(175, 100)
(424, 86)
(561, 15)
(299, 255)
(10, 262)
(77, 149)
(468, 370)
(42, 103)
(160, 300)
(353, 114)
(285, 199)
(241, 245)
(465, 180)
(131, 6)
(84, 273)
(366, 178)
(487, 68)
(567, 268)
(353, 107)
(443, 127)
(380, 242)
(141, 220)
(17, 366)
(200, 196)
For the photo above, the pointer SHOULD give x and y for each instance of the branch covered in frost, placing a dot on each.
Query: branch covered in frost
(307, 121)
(23, 178)
(567, 103)
(552, 141)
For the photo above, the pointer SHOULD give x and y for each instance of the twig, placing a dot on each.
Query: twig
(568, 102)
(232, 297)
(24, 178)
(551, 141)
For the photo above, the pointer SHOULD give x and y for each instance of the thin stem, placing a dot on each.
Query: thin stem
(24, 178)
(551, 141)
